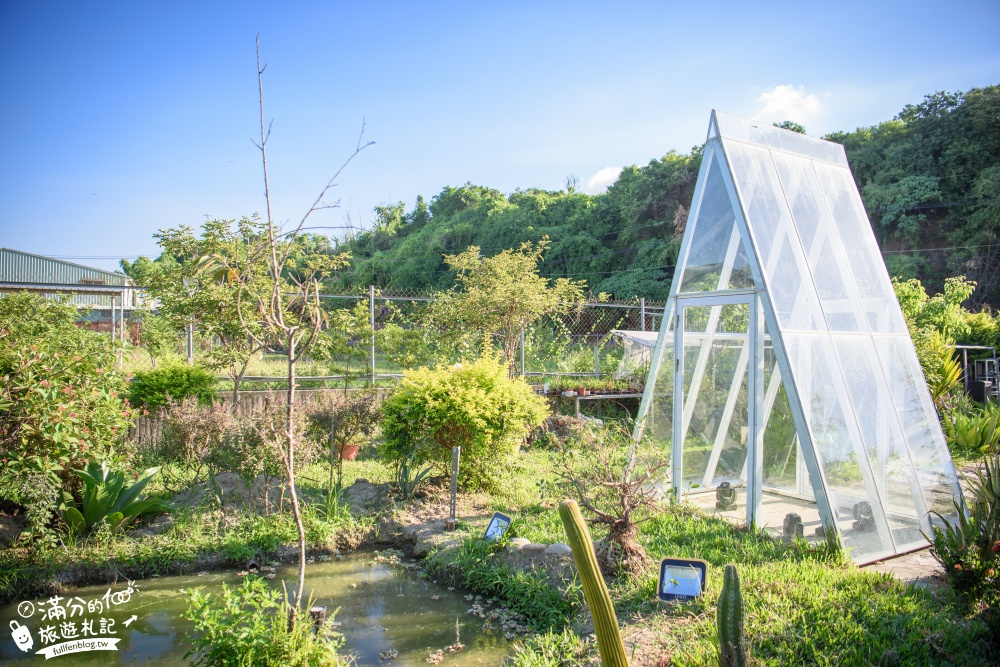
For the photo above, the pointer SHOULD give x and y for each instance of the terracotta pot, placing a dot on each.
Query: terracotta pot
(581, 391)
(349, 452)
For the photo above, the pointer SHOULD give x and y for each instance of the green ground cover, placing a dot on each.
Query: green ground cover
(805, 605)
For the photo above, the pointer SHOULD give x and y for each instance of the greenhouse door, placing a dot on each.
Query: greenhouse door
(717, 376)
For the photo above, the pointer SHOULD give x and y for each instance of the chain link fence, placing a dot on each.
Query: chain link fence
(575, 343)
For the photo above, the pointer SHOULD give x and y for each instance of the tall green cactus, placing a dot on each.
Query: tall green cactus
(609, 639)
(732, 642)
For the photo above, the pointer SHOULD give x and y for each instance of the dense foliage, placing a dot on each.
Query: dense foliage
(248, 625)
(157, 387)
(473, 405)
(61, 401)
(969, 549)
(928, 178)
(623, 242)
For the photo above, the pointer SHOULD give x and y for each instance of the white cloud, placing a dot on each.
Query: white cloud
(600, 181)
(787, 102)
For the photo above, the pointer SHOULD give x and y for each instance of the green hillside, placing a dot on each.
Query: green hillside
(930, 179)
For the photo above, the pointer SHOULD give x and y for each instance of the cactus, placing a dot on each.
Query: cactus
(732, 642)
(609, 639)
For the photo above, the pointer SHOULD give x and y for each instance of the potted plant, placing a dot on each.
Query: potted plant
(351, 423)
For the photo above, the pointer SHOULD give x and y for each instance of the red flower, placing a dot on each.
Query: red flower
(44, 383)
(958, 566)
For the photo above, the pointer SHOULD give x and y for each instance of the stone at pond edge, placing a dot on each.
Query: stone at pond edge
(9, 530)
(558, 549)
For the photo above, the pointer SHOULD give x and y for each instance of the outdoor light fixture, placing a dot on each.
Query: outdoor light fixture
(864, 518)
(792, 526)
(725, 497)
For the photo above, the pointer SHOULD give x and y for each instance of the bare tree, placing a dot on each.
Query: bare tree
(287, 302)
(617, 484)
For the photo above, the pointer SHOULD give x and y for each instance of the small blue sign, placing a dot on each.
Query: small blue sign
(498, 526)
(682, 578)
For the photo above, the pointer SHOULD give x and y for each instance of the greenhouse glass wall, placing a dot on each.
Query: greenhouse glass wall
(784, 384)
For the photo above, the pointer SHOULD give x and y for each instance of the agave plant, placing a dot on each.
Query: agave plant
(108, 497)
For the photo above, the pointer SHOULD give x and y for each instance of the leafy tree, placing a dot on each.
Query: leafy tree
(503, 295)
(791, 125)
(158, 334)
(192, 290)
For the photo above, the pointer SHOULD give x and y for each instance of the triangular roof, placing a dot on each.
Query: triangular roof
(777, 224)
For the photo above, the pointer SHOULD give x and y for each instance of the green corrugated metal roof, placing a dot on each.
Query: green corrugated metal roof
(25, 267)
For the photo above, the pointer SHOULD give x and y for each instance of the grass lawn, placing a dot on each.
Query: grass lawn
(804, 606)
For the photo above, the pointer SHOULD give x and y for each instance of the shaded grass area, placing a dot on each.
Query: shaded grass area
(805, 605)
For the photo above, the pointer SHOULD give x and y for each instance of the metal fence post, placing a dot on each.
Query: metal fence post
(113, 335)
(190, 344)
(522, 352)
(597, 360)
(642, 313)
(456, 453)
(371, 322)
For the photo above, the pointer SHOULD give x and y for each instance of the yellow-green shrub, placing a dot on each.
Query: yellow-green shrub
(474, 405)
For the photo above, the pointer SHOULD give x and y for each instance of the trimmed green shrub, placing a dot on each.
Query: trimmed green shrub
(155, 388)
(473, 405)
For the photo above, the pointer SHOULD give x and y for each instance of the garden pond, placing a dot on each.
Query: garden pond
(382, 608)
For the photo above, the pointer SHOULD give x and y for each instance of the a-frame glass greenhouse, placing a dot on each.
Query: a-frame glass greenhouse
(784, 383)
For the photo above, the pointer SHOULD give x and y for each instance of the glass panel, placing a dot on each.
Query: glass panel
(786, 272)
(716, 356)
(893, 471)
(716, 259)
(765, 134)
(863, 256)
(924, 439)
(824, 253)
(660, 414)
(838, 446)
(786, 497)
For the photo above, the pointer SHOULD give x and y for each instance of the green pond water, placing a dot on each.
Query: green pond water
(382, 607)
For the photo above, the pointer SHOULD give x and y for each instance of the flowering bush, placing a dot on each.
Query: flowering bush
(474, 405)
(61, 401)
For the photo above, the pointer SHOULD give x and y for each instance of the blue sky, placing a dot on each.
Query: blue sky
(124, 118)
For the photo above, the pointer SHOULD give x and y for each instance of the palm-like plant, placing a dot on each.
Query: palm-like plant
(108, 497)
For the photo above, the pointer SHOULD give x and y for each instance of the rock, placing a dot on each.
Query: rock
(530, 550)
(235, 492)
(158, 525)
(9, 530)
(518, 543)
(558, 549)
(363, 496)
